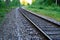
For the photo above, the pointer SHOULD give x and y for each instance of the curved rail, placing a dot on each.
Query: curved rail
(46, 36)
(49, 29)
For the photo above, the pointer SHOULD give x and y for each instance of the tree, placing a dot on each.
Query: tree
(15, 3)
(56, 2)
(0, 3)
(7, 3)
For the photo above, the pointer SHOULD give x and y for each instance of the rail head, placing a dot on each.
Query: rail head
(37, 27)
(45, 18)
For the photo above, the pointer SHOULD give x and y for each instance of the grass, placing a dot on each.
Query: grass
(3, 12)
(50, 12)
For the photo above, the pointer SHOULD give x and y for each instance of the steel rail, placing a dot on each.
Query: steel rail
(36, 26)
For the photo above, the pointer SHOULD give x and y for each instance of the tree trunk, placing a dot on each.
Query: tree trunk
(56, 2)
(7, 3)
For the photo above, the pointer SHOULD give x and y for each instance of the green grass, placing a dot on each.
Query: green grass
(3, 12)
(50, 12)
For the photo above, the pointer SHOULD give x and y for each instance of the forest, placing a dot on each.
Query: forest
(6, 6)
(49, 8)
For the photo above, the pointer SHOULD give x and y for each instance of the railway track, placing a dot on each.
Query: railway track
(48, 29)
(30, 31)
(17, 27)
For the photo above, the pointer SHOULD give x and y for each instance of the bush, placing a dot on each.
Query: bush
(41, 7)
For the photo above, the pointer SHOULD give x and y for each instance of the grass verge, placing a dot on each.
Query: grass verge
(46, 12)
(3, 12)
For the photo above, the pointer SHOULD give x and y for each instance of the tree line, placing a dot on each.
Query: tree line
(9, 3)
(48, 2)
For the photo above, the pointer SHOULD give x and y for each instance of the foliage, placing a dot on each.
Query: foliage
(15, 3)
(55, 14)
(2, 4)
(6, 6)
(47, 8)
(8, 3)
(47, 2)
